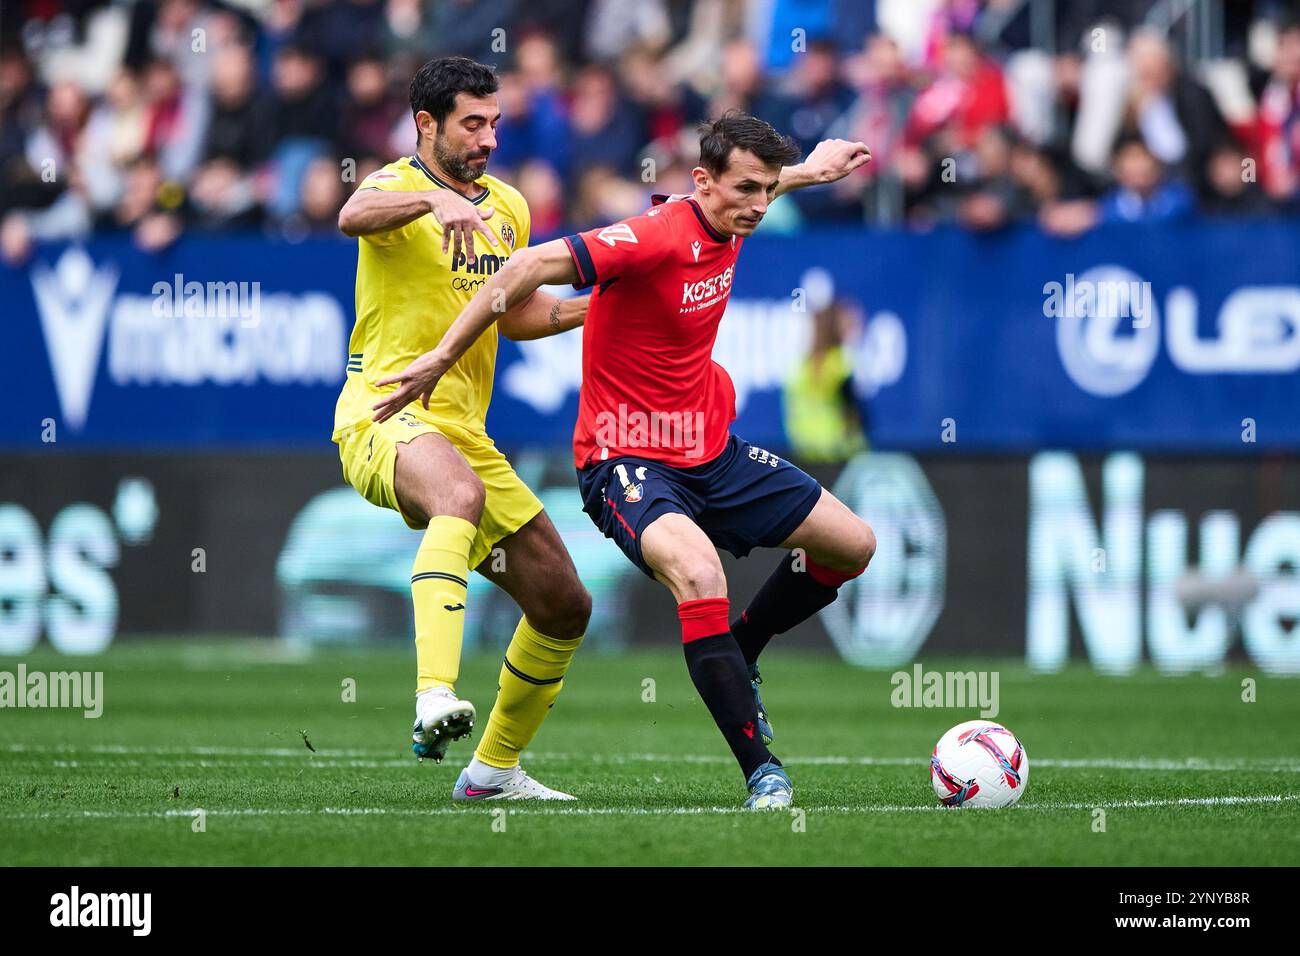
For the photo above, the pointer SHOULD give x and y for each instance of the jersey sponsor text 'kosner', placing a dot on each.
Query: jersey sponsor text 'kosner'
(706, 290)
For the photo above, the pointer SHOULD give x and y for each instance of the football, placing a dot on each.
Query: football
(979, 764)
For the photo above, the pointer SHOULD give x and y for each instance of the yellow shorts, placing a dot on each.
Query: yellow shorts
(368, 451)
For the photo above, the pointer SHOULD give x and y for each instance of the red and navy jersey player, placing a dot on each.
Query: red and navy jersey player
(659, 470)
(653, 431)
(650, 386)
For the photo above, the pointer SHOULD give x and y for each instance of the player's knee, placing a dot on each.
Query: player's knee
(865, 546)
(697, 578)
(581, 610)
(564, 611)
(463, 498)
(854, 549)
(572, 614)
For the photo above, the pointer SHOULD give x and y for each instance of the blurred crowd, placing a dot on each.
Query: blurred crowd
(155, 117)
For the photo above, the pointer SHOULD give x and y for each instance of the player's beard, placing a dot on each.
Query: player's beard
(457, 165)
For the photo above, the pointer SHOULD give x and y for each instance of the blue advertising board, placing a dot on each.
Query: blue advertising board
(1154, 338)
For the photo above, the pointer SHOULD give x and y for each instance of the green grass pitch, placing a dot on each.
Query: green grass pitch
(1184, 770)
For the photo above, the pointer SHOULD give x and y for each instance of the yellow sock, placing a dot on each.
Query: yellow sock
(531, 678)
(438, 588)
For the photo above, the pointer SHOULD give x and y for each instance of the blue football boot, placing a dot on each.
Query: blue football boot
(769, 788)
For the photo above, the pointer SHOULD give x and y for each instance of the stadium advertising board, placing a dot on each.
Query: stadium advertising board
(1117, 559)
(1152, 338)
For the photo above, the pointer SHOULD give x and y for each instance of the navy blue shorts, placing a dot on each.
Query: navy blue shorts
(744, 498)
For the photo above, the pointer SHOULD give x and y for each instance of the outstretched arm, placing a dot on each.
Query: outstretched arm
(547, 264)
(541, 315)
(831, 160)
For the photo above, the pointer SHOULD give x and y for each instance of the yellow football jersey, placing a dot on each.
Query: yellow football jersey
(409, 292)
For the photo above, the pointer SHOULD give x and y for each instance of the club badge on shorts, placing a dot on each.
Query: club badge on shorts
(632, 493)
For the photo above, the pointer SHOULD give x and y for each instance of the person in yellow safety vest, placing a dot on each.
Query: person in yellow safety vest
(822, 418)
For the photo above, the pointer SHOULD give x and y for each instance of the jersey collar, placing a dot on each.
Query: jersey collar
(704, 222)
(419, 164)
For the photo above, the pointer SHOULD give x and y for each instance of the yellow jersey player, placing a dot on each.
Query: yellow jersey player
(432, 460)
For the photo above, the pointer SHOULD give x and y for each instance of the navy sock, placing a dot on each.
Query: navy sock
(720, 675)
(788, 597)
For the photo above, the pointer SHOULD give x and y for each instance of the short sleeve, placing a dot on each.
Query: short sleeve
(385, 179)
(632, 246)
(390, 180)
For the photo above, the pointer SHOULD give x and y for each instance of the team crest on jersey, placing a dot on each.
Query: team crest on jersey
(508, 234)
(632, 493)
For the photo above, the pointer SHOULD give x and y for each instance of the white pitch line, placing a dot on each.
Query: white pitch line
(199, 750)
(206, 764)
(1106, 763)
(326, 762)
(368, 759)
(635, 811)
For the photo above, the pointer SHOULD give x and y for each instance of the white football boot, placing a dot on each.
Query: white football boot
(517, 786)
(440, 718)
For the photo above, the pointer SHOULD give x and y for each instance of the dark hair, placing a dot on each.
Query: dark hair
(1126, 140)
(365, 55)
(292, 49)
(737, 130)
(435, 85)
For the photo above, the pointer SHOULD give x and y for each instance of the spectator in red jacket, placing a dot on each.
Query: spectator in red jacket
(966, 98)
(1277, 124)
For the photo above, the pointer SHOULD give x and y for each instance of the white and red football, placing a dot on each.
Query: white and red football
(979, 764)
